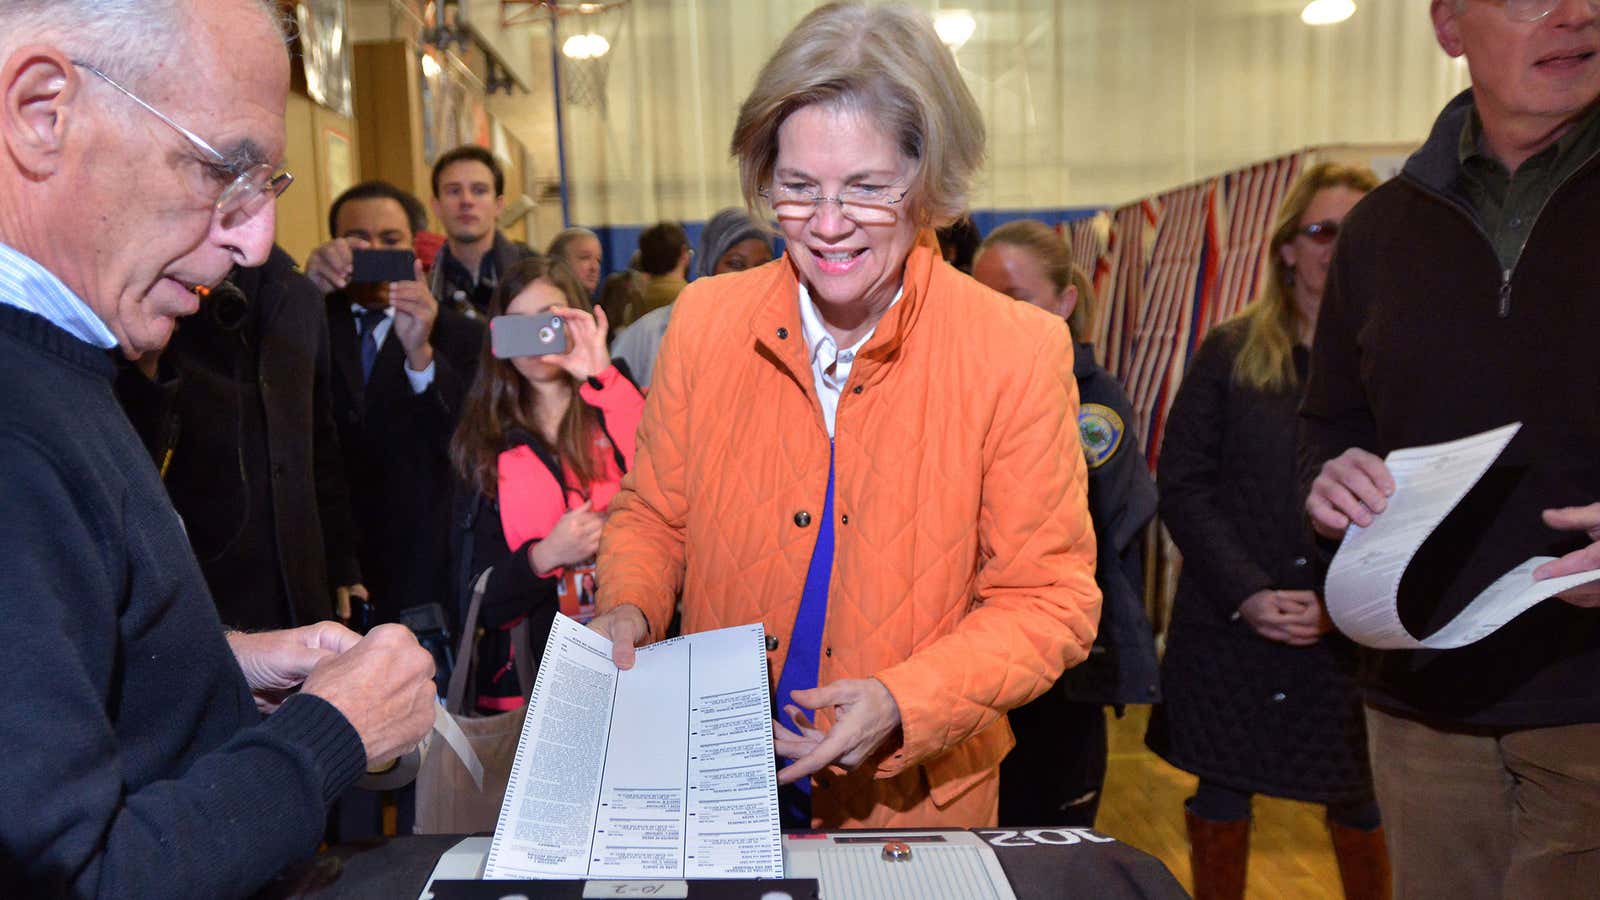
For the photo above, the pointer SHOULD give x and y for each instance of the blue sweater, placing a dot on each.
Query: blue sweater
(136, 763)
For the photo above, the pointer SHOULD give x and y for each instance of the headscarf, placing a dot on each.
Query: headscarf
(726, 228)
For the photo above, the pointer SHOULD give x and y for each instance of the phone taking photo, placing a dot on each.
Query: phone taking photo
(382, 266)
(543, 334)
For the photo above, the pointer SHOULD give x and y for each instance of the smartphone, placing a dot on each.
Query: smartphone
(537, 335)
(383, 266)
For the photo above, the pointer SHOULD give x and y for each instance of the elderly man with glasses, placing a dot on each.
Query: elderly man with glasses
(150, 753)
(1462, 297)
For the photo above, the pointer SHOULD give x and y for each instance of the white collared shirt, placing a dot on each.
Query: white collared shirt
(380, 333)
(29, 286)
(830, 366)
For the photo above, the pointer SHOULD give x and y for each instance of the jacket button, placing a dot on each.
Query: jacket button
(844, 520)
(856, 389)
(828, 653)
(783, 334)
(1301, 562)
(772, 643)
(802, 518)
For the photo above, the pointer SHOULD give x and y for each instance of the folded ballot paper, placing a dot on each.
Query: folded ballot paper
(1363, 584)
(662, 771)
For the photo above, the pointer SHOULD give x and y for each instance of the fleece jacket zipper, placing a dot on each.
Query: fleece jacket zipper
(1504, 308)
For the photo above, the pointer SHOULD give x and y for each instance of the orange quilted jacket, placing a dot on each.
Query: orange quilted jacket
(964, 564)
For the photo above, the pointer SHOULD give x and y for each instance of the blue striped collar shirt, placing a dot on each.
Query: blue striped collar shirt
(31, 287)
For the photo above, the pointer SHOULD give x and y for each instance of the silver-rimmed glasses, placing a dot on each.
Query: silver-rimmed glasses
(1534, 10)
(862, 205)
(254, 185)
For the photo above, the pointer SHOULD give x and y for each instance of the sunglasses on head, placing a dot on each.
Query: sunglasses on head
(1322, 232)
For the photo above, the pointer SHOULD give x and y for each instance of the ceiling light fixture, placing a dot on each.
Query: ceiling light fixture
(1327, 12)
(955, 27)
(586, 46)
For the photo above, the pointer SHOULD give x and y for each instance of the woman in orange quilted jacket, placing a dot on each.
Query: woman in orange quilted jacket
(863, 449)
(539, 454)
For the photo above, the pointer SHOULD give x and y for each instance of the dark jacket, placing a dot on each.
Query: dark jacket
(397, 454)
(242, 417)
(1237, 708)
(1423, 339)
(473, 300)
(1121, 667)
(137, 764)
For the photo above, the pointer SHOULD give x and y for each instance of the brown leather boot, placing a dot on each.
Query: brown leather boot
(1218, 855)
(1363, 862)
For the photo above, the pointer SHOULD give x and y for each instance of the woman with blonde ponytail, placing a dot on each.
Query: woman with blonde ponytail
(1057, 770)
(1259, 695)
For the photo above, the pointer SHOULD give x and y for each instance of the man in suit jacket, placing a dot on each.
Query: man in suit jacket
(238, 415)
(402, 365)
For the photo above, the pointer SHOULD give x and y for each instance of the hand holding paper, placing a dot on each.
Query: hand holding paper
(1587, 520)
(1364, 579)
(661, 770)
(1353, 487)
(625, 627)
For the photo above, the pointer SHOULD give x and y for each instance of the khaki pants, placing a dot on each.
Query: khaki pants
(1468, 816)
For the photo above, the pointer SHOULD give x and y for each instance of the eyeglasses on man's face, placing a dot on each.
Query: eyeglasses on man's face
(254, 185)
(862, 204)
(1535, 10)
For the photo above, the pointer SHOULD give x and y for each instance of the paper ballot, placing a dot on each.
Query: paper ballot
(663, 771)
(1363, 584)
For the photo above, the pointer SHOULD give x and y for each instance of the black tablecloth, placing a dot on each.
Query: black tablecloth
(1041, 863)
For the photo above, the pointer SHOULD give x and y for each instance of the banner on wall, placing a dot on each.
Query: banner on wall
(323, 49)
(1169, 268)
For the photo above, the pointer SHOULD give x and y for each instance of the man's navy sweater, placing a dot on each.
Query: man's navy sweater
(136, 762)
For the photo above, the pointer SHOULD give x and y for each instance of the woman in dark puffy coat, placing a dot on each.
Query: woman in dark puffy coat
(1259, 696)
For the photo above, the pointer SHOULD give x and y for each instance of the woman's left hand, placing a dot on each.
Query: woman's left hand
(586, 354)
(865, 715)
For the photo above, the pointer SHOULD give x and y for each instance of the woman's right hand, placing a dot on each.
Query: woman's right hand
(575, 539)
(626, 627)
(1288, 617)
(586, 336)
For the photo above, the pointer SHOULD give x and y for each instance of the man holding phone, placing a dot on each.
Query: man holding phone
(402, 365)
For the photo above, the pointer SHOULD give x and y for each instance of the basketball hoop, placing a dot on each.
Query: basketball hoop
(585, 35)
(587, 39)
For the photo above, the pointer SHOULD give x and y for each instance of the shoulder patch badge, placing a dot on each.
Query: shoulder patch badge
(1100, 430)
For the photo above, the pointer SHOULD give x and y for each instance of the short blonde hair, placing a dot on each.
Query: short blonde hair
(887, 61)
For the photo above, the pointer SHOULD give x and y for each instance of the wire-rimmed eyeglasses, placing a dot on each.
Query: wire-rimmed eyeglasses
(1534, 10)
(254, 185)
(862, 205)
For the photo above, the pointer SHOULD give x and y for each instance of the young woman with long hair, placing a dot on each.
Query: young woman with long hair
(541, 449)
(1259, 695)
